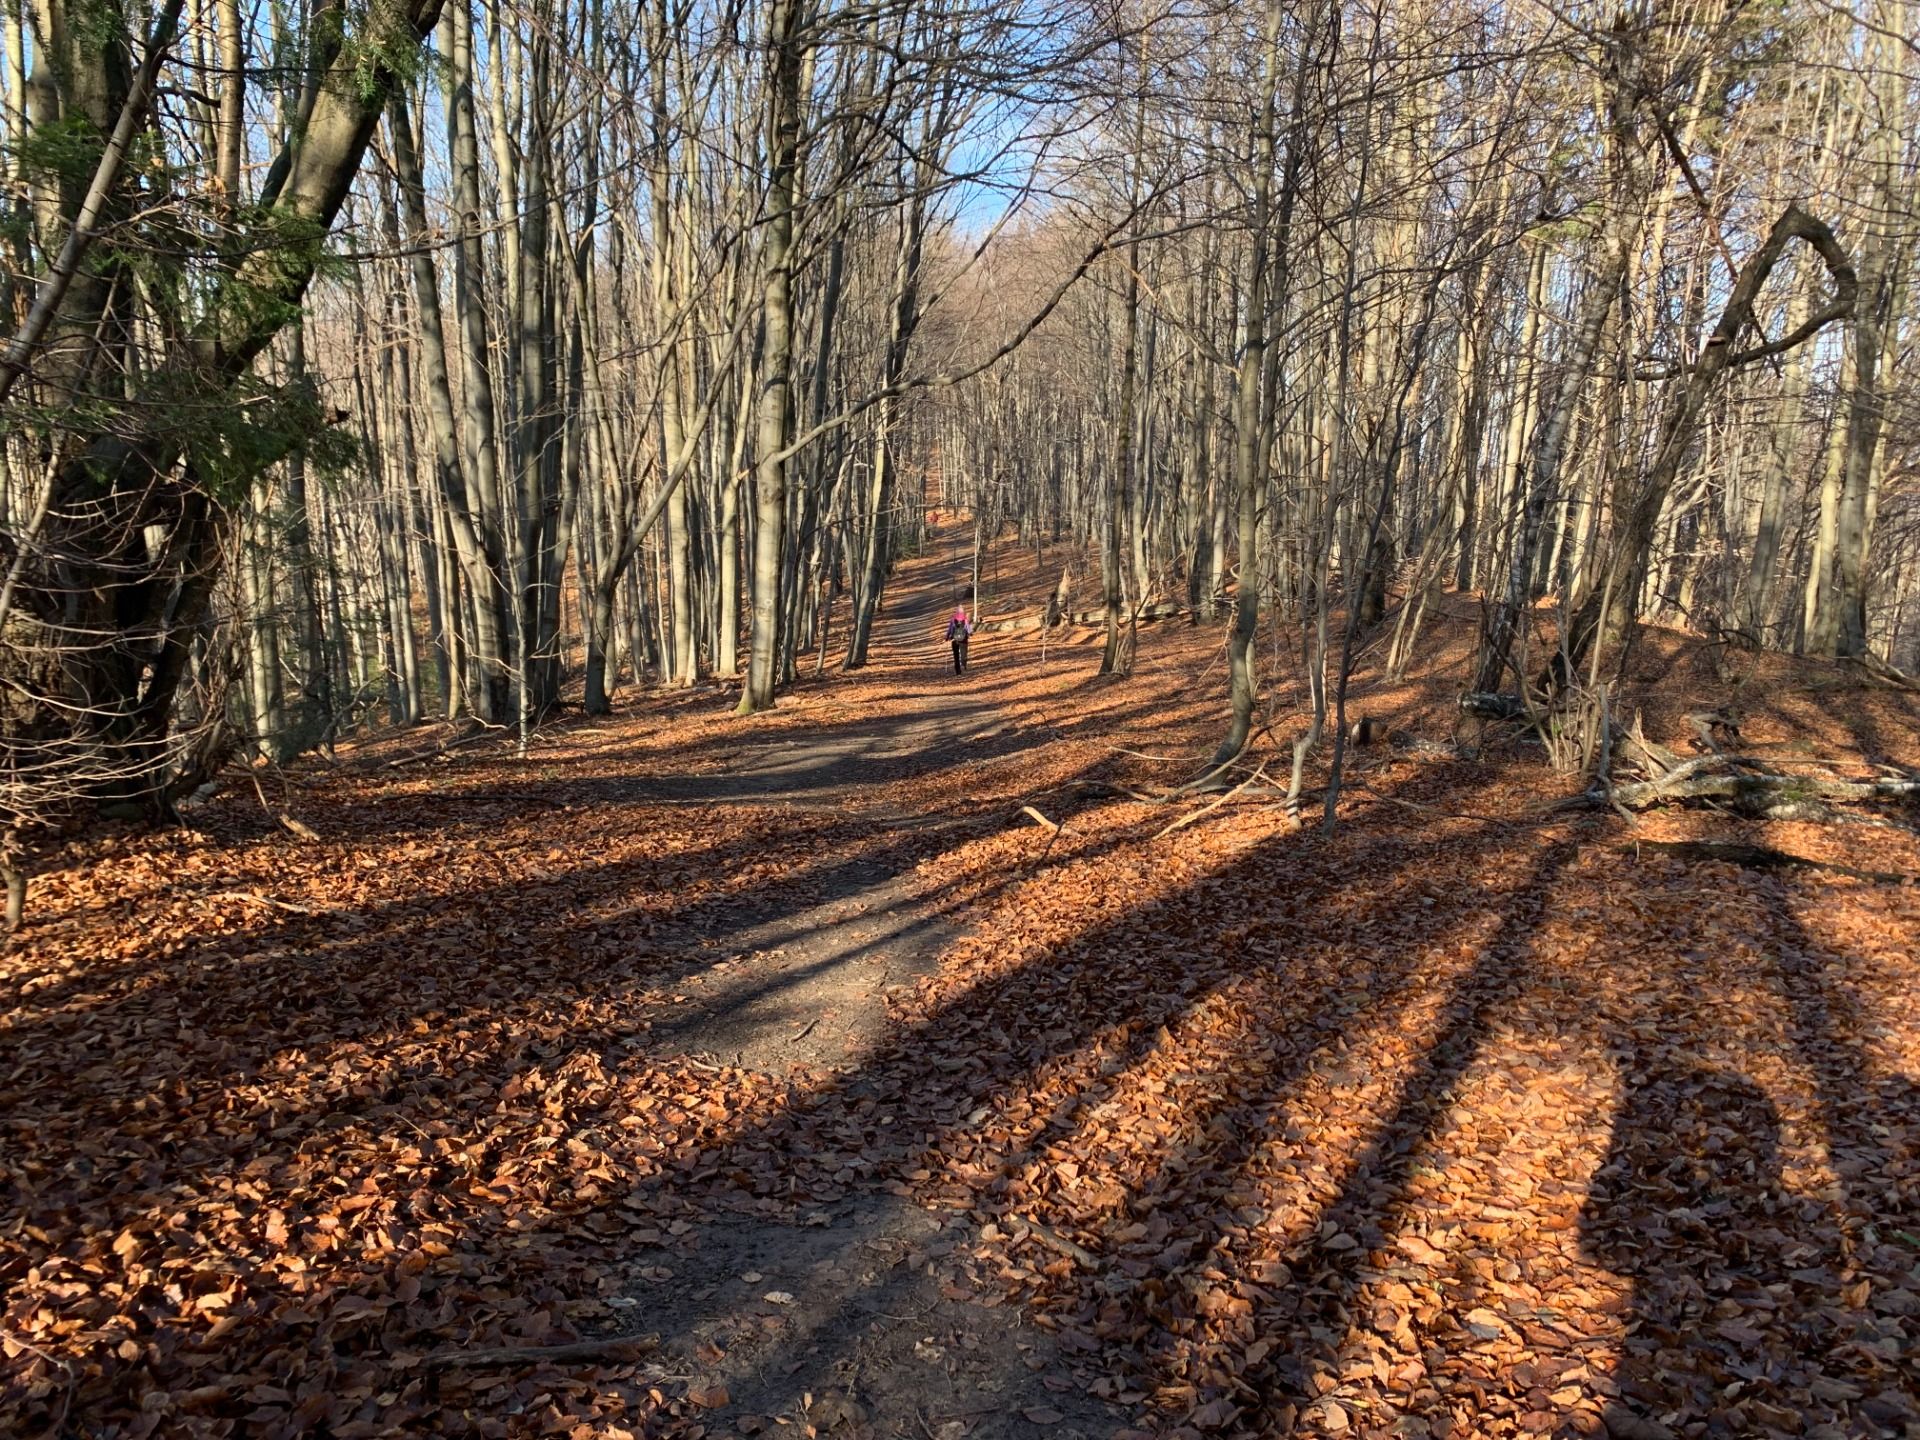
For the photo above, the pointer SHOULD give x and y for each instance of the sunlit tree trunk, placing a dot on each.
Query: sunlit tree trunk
(774, 417)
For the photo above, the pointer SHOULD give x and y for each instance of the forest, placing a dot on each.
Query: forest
(369, 368)
(518, 922)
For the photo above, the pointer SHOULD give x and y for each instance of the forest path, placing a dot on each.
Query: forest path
(1411, 1129)
(850, 1316)
(805, 978)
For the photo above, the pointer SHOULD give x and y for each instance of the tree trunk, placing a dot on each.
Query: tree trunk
(465, 507)
(774, 423)
(1250, 417)
(482, 465)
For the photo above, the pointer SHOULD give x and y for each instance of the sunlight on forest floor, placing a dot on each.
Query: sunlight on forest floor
(1463, 1121)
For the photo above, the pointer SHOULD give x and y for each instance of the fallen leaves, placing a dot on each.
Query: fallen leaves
(1378, 1135)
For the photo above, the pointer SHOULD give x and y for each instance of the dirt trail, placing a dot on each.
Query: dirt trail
(854, 1318)
(804, 981)
(809, 986)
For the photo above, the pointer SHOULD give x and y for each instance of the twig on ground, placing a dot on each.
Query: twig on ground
(1050, 824)
(1158, 759)
(1024, 1228)
(286, 821)
(1434, 810)
(1206, 810)
(55, 1362)
(1203, 783)
(418, 755)
(1047, 849)
(256, 899)
(1101, 790)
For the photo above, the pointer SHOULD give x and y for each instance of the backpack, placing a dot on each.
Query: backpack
(954, 628)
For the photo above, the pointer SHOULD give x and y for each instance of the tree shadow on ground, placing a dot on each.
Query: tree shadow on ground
(1303, 1309)
(1772, 1292)
(990, 1090)
(421, 1076)
(1690, 1208)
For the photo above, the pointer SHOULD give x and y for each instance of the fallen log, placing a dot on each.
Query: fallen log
(1422, 747)
(1754, 793)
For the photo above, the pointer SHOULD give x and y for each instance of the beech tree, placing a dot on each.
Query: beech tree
(147, 287)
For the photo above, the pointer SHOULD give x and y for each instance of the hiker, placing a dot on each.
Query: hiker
(959, 627)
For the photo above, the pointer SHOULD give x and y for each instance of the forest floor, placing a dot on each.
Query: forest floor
(814, 1087)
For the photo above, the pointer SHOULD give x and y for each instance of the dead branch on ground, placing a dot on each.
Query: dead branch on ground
(1746, 784)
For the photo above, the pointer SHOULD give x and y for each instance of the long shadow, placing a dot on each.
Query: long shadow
(249, 1030)
(229, 1011)
(1079, 1023)
(522, 1024)
(213, 1025)
(830, 760)
(1303, 1306)
(360, 945)
(1690, 1206)
(699, 884)
(1761, 1302)
(624, 919)
(1870, 1116)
